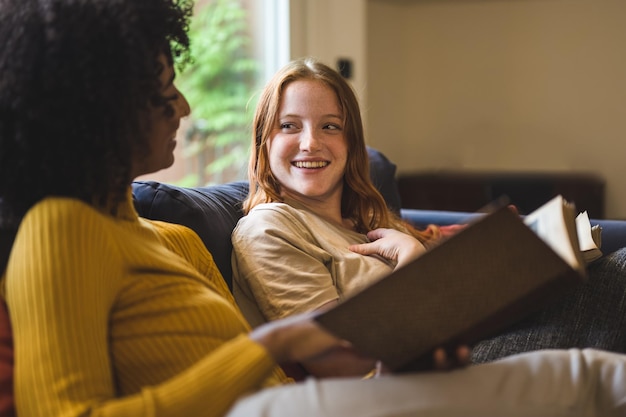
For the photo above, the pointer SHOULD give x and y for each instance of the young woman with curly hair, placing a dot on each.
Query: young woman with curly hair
(114, 315)
(111, 314)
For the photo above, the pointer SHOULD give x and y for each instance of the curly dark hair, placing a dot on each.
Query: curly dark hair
(75, 78)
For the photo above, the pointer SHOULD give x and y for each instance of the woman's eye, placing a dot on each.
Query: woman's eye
(287, 125)
(332, 127)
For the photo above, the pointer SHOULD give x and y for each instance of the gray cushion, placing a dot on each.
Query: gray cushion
(590, 315)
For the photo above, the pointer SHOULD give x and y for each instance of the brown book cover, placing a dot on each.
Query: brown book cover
(488, 276)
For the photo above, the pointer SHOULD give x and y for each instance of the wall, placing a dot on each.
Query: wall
(330, 30)
(485, 84)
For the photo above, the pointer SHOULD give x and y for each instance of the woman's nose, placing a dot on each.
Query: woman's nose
(309, 140)
(182, 106)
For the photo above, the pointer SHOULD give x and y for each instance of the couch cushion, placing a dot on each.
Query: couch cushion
(214, 211)
(589, 315)
(383, 175)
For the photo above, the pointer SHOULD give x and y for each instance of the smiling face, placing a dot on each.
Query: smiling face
(308, 149)
(162, 123)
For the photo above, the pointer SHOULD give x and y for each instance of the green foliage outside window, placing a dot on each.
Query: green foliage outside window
(219, 85)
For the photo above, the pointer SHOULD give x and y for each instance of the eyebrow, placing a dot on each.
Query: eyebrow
(336, 116)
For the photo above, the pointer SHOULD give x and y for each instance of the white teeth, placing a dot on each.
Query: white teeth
(310, 164)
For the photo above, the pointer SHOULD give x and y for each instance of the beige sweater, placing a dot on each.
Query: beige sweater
(288, 260)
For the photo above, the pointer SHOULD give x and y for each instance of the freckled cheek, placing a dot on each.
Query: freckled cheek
(269, 149)
(280, 153)
(280, 166)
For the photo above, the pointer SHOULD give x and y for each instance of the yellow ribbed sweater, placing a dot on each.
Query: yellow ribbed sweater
(120, 316)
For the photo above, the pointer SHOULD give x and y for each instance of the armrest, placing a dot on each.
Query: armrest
(613, 231)
(422, 218)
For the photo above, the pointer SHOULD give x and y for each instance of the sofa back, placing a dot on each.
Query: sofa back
(213, 211)
(613, 231)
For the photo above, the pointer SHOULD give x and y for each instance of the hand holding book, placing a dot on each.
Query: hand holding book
(487, 276)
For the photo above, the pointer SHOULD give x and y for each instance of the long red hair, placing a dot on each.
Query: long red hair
(361, 202)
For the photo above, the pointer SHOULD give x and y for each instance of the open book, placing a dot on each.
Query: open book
(496, 271)
(589, 237)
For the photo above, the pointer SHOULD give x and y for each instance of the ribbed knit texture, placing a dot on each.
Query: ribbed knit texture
(123, 317)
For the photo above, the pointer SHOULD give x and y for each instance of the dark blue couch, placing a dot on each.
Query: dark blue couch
(592, 315)
(213, 211)
(613, 231)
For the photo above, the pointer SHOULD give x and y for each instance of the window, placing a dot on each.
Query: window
(236, 46)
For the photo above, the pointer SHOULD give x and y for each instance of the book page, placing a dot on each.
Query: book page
(585, 237)
(589, 238)
(554, 223)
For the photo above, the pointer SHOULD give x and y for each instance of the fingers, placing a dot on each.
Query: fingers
(392, 245)
(296, 338)
(364, 248)
(464, 355)
(372, 247)
(378, 233)
(443, 361)
(452, 229)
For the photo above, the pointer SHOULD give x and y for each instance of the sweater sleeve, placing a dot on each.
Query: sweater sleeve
(269, 282)
(61, 283)
(186, 243)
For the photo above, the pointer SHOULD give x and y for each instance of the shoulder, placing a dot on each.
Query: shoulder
(175, 235)
(58, 225)
(268, 210)
(268, 215)
(186, 243)
(279, 220)
(67, 216)
(63, 238)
